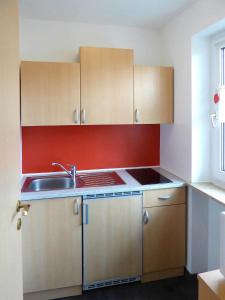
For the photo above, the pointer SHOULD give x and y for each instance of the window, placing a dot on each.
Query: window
(218, 132)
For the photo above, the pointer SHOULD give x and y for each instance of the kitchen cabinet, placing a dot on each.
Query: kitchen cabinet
(106, 86)
(52, 248)
(153, 95)
(164, 233)
(50, 93)
(112, 242)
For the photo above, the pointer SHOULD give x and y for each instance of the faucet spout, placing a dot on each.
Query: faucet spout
(71, 173)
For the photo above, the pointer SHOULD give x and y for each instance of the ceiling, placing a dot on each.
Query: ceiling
(138, 13)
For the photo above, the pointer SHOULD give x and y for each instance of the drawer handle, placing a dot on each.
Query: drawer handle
(168, 197)
(146, 217)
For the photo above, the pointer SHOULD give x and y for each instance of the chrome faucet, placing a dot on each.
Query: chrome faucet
(71, 173)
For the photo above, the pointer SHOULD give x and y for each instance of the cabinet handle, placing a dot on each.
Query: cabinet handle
(146, 217)
(83, 116)
(136, 116)
(165, 197)
(76, 116)
(85, 216)
(76, 207)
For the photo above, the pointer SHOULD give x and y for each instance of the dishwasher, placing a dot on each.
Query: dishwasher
(112, 239)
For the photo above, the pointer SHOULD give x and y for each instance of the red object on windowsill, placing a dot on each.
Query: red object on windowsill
(216, 98)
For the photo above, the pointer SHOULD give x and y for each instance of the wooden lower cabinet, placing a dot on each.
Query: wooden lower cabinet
(112, 240)
(164, 237)
(52, 248)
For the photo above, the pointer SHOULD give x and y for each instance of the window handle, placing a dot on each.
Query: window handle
(214, 118)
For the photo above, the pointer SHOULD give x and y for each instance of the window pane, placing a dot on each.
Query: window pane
(222, 71)
(222, 128)
(223, 146)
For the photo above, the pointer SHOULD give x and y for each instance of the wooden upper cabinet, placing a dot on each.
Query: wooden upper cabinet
(106, 86)
(153, 95)
(50, 93)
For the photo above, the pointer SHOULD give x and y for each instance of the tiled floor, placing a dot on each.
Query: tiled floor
(171, 289)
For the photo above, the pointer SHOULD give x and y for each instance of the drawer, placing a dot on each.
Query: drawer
(164, 197)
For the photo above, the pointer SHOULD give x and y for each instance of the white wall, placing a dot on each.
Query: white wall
(201, 124)
(60, 41)
(198, 232)
(215, 210)
(176, 140)
(183, 40)
(203, 232)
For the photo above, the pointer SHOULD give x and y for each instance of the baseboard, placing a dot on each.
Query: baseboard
(154, 276)
(54, 294)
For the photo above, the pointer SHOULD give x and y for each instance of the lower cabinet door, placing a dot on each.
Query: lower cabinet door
(112, 239)
(164, 238)
(51, 245)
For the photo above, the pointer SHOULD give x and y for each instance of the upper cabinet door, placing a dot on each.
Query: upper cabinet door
(106, 86)
(50, 93)
(153, 95)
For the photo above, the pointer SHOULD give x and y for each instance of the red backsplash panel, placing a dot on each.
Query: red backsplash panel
(90, 147)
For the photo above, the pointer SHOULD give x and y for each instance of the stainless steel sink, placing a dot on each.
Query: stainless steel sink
(43, 184)
(57, 182)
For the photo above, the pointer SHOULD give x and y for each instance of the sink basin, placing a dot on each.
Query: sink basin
(50, 183)
(57, 182)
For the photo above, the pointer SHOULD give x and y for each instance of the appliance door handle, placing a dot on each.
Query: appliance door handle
(164, 198)
(146, 217)
(85, 217)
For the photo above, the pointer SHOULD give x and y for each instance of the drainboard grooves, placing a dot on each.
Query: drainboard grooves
(99, 179)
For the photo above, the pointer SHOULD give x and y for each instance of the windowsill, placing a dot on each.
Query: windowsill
(210, 190)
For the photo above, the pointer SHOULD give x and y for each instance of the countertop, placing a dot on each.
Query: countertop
(130, 186)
